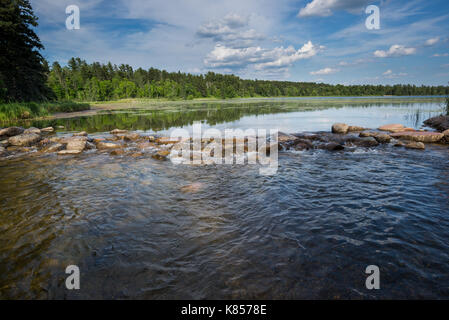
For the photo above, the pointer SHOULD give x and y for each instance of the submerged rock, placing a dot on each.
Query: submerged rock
(192, 188)
(11, 131)
(341, 128)
(24, 139)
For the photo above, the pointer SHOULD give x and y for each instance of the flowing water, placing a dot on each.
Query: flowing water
(309, 231)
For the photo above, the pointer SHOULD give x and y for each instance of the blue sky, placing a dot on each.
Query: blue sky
(312, 40)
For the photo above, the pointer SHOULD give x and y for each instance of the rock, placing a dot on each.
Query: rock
(118, 131)
(2, 150)
(107, 145)
(382, 138)
(161, 155)
(367, 142)
(440, 123)
(96, 140)
(333, 146)
(340, 128)
(32, 130)
(151, 138)
(167, 140)
(419, 136)
(24, 139)
(446, 136)
(409, 129)
(365, 134)
(75, 144)
(89, 146)
(145, 145)
(137, 154)
(117, 152)
(301, 144)
(25, 115)
(11, 131)
(399, 144)
(192, 188)
(415, 145)
(48, 129)
(131, 137)
(64, 152)
(53, 147)
(44, 142)
(392, 127)
(4, 143)
(284, 137)
(355, 128)
(80, 134)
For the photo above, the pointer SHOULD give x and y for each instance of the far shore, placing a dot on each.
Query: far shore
(162, 104)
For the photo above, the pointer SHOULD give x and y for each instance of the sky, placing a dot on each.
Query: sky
(310, 40)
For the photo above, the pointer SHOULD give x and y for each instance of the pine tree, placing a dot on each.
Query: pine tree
(22, 67)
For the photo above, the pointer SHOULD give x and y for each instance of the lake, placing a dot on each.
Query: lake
(307, 232)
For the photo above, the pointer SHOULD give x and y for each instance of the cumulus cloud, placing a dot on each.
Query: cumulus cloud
(324, 71)
(395, 51)
(324, 8)
(229, 30)
(432, 41)
(260, 58)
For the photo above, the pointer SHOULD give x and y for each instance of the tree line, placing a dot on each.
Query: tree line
(82, 81)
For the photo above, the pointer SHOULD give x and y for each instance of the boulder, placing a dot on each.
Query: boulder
(52, 147)
(340, 128)
(117, 152)
(4, 143)
(76, 144)
(332, 146)
(131, 137)
(161, 155)
(440, 123)
(80, 134)
(382, 138)
(32, 130)
(65, 152)
(24, 139)
(415, 145)
(11, 131)
(392, 127)
(118, 131)
(48, 129)
(419, 136)
(284, 137)
(355, 128)
(301, 144)
(367, 142)
(365, 134)
(101, 145)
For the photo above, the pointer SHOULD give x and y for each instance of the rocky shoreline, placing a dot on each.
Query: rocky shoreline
(17, 141)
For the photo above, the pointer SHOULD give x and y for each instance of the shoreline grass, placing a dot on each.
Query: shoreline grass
(30, 110)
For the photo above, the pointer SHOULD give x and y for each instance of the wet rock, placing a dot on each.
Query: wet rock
(136, 154)
(440, 123)
(284, 137)
(419, 136)
(151, 138)
(118, 131)
(161, 155)
(11, 131)
(96, 140)
(146, 145)
(117, 152)
(415, 145)
(399, 143)
(368, 142)
(44, 142)
(333, 146)
(355, 128)
(4, 143)
(24, 139)
(76, 144)
(392, 127)
(302, 144)
(167, 140)
(89, 146)
(340, 128)
(80, 134)
(192, 188)
(68, 152)
(131, 137)
(48, 129)
(365, 134)
(2, 150)
(32, 130)
(382, 138)
(101, 145)
(54, 147)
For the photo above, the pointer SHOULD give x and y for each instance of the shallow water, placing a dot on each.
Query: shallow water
(309, 231)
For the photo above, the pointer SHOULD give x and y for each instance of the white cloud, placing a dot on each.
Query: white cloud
(441, 55)
(388, 72)
(261, 58)
(324, 71)
(394, 51)
(324, 8)
(432, 41)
